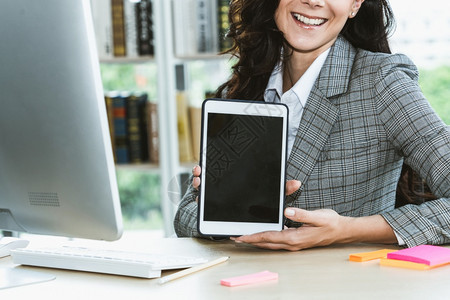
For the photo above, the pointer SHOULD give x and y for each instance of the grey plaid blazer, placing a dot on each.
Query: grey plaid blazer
(365, 115)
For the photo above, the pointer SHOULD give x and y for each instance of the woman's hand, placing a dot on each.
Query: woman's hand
(291, 185)
(321, 228)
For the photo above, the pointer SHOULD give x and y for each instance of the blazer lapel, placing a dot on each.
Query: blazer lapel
(320, 114)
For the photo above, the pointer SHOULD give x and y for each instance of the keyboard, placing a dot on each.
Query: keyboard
(125, 263)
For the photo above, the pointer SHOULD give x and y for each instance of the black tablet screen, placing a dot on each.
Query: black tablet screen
(244, 169)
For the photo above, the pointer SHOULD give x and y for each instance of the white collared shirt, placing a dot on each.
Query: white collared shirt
(296, 97)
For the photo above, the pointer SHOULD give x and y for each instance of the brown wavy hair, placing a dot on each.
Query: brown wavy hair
(257, 46)
(257, 42)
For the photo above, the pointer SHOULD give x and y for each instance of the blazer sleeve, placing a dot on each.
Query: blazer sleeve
(423, 139)
(185, 221)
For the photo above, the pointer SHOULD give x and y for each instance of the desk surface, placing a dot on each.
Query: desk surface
(315, 273)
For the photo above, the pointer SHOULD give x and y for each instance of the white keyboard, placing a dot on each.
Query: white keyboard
(103, 261)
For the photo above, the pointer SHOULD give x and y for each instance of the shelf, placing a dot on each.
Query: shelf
(184, 168)
(142, 167)
(127, 60)
(203, 56)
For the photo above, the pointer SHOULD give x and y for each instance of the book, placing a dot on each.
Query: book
(131, 31)
(134, 127)
(143, 119)
(103, 27)
(109, 102)
(207, 30)
(118, 23)
(145, 39)
(178, 35)
(213, 17)
(153, 132)
(185, 27)
(120, 128)
(202, 25)
(223, 25)
(184, 130)
(195, 117)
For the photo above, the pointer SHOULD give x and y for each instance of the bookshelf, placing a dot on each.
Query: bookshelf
(128, 60)
(173, 75)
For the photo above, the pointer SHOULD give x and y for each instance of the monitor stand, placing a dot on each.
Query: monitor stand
(16, 276)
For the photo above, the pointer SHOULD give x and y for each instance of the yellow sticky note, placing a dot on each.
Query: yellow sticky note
(407, 264)
(365, 256)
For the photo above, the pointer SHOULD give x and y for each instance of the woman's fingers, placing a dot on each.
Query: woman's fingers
(292, 186)
(196, 182)
(196, 171)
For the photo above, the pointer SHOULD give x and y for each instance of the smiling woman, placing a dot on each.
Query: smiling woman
(357, 114)
(311, 29)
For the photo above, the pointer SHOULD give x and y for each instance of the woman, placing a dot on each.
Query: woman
(356, 114)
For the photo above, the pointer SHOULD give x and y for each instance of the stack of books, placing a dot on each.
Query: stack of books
(123, 28)
(133, 125)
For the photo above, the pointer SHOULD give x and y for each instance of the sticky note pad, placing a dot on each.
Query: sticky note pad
(407, 264)
(365, 256)
(250, 278)
(423, 254)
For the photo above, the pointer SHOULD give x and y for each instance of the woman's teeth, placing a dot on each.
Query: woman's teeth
(308, 21)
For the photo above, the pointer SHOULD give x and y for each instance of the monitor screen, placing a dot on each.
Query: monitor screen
(57, 173)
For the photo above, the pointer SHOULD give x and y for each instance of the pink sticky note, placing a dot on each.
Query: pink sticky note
(424, 254)
(250, 278)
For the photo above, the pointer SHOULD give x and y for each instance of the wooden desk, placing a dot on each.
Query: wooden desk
(322, 273)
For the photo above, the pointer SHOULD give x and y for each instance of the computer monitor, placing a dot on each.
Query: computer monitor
(57, 173)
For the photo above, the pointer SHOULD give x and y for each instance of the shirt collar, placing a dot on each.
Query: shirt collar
(302, 87)
(274, 88)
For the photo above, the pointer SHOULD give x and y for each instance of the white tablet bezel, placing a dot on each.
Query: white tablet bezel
(239, 107)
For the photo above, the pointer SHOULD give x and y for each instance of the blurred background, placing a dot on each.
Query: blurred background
(422, 33)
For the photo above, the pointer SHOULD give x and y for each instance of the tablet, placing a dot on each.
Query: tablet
(243, 157)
